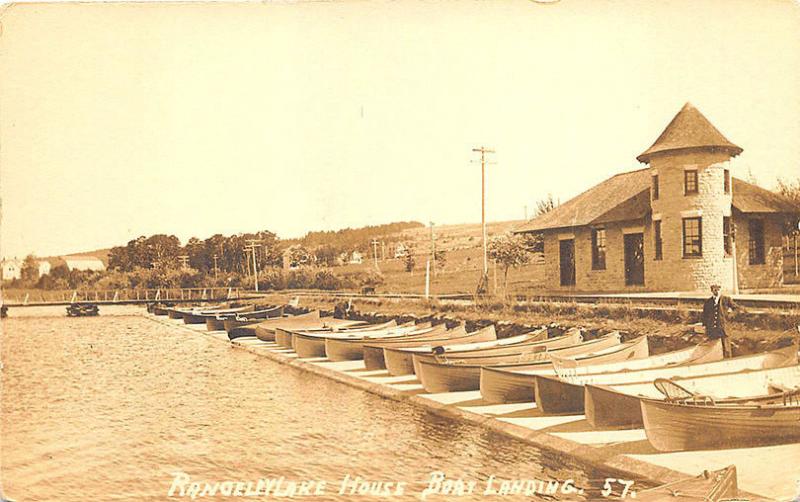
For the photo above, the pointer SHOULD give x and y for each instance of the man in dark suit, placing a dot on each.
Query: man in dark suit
(715, 317)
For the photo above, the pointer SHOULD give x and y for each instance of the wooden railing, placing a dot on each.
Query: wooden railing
(58, 297)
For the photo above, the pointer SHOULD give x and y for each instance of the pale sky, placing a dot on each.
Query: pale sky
(193, 119)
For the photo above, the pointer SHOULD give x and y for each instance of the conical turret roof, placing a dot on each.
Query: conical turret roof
(690, 130)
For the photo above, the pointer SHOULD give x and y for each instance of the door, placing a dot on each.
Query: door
(634, 259)
(566, 258)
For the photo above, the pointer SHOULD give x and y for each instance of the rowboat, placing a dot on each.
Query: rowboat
(283, 331)
(314, 344)
(265, 330)
(288, 339)
(179, 312)
(614, 402)
(161, 309)
(710, 486)
(285, 336)
(399, 357)
(681, 426)
(228, 322)
(373, 352)
(348, 349)
(199, 316)
(563, 393)
(451, 375)
(517, 351)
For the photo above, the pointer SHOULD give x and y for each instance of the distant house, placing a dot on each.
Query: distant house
(680, 224)
(11, 269)
(400, 251)
(356, 258)
(84, 263)
(44, 267)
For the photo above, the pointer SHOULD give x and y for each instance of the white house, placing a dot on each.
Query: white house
(11, 269)
(44, 267)
(84, 263)
(400, 251)
(356, 257)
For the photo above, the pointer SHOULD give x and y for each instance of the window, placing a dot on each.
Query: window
(655, 187)
(692, 237)
(726, 234)
(756, 243)
(598, 249)
(657, 240)
(689, 182)
(727, 174)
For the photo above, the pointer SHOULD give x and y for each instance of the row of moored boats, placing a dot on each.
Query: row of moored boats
(677, 397)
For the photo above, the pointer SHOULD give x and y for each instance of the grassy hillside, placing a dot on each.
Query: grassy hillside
(463, 262)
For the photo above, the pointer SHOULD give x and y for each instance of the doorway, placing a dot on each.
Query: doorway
(634, 259)
(566, 258)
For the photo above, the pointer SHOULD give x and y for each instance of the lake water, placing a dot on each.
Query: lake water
(113, 407)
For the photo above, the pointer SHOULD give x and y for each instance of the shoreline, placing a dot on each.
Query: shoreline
(620, 464)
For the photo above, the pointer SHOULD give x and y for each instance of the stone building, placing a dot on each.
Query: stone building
(681, 224)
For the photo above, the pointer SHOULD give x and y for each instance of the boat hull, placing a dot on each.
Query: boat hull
(352, 350)
(681, 427)
(502, 386)
(437, 378)
(712, 486)
(557, 397)
(215, 324)
(399, 362)
(308, 346)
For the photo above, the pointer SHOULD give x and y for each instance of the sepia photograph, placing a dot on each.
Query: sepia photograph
(400, 250)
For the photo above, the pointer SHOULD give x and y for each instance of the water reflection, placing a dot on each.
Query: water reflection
(109, 408)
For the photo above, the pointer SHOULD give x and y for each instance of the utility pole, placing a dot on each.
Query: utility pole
(375, 253)
(433, 252)
(215, 264)
(252, 245)
(526, 212)
(184, 261)
(485, 278)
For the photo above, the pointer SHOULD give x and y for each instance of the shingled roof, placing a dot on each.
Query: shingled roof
(594, 203)
(626, 197)
(690, 130)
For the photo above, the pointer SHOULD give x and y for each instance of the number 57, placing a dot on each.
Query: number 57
(626, 486)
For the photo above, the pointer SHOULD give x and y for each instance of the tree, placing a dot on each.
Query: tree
(440, 255)
(509, 251)
(790, 190)
(543, 206)
(29, 272)
(409, 260)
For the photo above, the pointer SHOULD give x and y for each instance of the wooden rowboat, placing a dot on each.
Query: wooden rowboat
(161, 308)
(451, 375)
(570, 338)
(230, 323)
(285, 338)
(710, 486)
(563, 393)
(343, 349)
(179, 312)
(681, 426)
(515, 383)
(312, 344)
(200, 316)
(265, 330)
(400, 361)
(615, 403)
(373, 351)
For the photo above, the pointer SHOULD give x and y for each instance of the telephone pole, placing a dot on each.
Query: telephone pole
(485, 278)
(375, 253)
(433, 252)
(215, 264)
(252, 245)
(184, 261)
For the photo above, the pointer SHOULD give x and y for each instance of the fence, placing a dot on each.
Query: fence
(36, 296)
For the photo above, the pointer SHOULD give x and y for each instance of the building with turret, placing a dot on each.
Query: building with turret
(680, 224)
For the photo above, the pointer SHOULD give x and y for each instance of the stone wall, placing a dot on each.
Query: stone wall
(769, 274)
